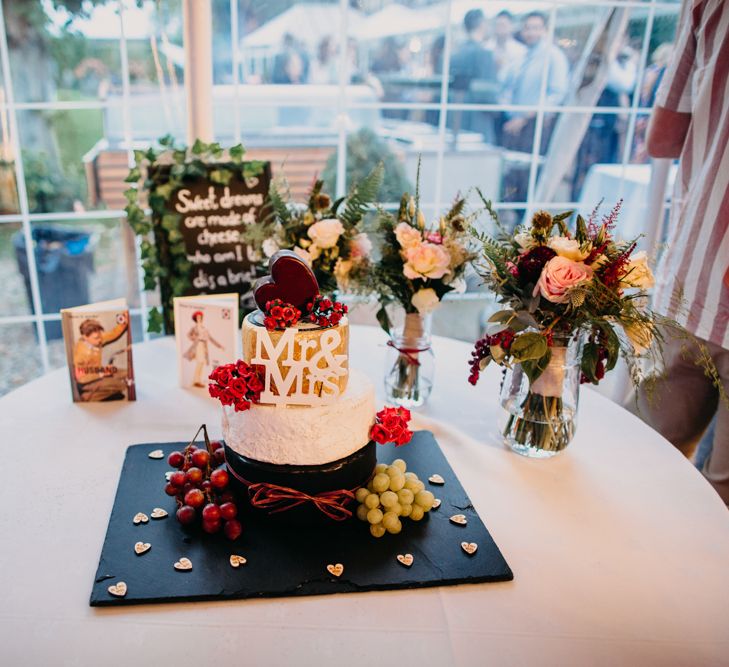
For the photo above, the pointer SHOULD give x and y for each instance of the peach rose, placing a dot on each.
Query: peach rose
(326, 233)
(426, 260)
(407, 236)
(559, 276)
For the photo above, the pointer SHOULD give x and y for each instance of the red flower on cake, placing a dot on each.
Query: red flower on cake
(325, 312)
(280, 315)
(391, 425)
(236, 384)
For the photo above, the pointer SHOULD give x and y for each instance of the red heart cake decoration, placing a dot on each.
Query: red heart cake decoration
(291, 280)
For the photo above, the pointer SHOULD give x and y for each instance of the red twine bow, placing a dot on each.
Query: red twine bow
(409, 352)
(275, 498)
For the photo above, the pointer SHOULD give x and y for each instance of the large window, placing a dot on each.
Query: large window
(539, 104)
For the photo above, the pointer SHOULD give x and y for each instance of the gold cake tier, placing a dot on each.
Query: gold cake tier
(327, 350)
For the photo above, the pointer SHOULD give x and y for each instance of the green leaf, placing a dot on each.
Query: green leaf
(198, 147)
(164, 190)
(134, 175)
(130, 194)
(530, 345)
(611, 342)
(177, 172)
(253, 168)
(179, 156)
(383, 319)
(140, 156)
(236, 153)
(221, 176)
(155, 321)
(497, 353)
(167, 141)
(535, 367)
(171, 221)
(589, 361)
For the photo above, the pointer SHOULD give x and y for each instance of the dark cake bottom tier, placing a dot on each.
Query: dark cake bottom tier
(301, 494)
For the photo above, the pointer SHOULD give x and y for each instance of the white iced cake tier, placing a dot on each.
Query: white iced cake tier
(304, 435)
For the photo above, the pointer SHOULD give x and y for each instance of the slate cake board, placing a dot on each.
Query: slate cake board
(284, 560)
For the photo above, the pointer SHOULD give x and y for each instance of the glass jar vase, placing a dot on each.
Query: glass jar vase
(410, 362)
(541, 416)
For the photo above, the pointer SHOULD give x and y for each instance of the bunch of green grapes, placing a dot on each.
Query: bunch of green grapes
(392, 493)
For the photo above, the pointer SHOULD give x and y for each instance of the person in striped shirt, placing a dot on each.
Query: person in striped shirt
(690, 121)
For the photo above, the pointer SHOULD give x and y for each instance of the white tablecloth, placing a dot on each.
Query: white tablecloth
(619, 548)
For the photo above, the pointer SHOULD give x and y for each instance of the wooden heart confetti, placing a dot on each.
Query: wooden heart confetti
(158, 513)
(142, 547)
(405, 559)
(118, 590)
(156, 454)
(459, 519)
(140, 517)
(469, 547)
(436, 479)
(436, 503)
(183, 564)
(336, 570)
(237, 561)
(169, 474)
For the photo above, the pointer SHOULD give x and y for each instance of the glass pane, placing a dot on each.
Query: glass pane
(64, 157)
(289, 43)
(82, 262)
(20, 360)
(397, 49)
(63, 51)
(8, 185)
(222, 42)
(156, 72)
(14, 275)
(660, 49)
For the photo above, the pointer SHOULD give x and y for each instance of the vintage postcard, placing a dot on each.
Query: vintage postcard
(206, 331)
(99, 351)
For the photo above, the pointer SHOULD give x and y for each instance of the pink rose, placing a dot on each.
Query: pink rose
(559, 276)
(408, 236)
(361, 246)
(426, 261)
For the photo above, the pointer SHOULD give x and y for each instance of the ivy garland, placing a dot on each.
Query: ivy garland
(159, 172)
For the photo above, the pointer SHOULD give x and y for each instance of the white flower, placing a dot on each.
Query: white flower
(361, 246)
(407, 236)
(270, 247)
(638, 273)
(525, 240)
(303, 254)
(341, 273)
(568, 248)
(640, 335)
(326, 233)
(426, 260)
(425, 300)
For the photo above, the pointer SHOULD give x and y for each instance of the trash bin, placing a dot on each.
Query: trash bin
(64, 259)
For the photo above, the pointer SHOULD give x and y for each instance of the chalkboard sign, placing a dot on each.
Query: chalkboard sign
(212, 222)
(201, 200)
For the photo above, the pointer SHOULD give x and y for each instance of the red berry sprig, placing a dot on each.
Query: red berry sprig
(326, 312)
(482, 350)
(200, 487)
(280, 315)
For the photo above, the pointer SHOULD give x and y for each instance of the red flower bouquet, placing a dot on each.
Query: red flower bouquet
(280, 315)
(236, 384)
(391, 425)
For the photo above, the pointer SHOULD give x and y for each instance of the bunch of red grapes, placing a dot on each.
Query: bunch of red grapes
(200, 488)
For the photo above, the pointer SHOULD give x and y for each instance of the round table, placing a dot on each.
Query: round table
(620, 549)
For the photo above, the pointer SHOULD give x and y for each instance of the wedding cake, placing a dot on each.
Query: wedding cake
(301, 446)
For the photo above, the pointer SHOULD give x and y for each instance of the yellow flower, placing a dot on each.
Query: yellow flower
(638, 274)
(568, 248)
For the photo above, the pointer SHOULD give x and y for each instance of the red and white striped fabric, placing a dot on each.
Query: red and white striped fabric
(693, 277)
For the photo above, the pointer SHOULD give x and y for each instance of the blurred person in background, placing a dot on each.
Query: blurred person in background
(323, 69)
(690, 121)
(651, 80)
(473, 77)
(523, 86)
(292, 64)
(508, 52)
